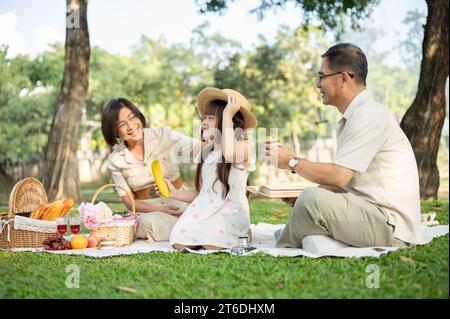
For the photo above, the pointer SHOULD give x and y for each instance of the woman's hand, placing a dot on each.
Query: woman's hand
(169, 209)
(172, 210)
(172, 190)
(232, 107)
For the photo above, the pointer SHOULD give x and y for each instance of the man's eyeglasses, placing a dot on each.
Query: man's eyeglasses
(321, 76)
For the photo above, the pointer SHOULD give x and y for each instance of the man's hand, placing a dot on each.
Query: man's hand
(278, 155)
(172, 189)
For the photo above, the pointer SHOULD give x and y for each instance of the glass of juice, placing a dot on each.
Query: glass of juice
(75, 225)
(61, 226)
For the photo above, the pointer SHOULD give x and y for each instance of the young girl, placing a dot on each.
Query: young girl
(219, 211)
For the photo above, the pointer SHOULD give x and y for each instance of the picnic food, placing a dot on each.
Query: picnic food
(92, 241)
(79, 242)
(56, 243)
(53, 210)
(157, 175)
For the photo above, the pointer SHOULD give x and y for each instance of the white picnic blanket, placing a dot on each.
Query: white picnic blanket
(264, 241)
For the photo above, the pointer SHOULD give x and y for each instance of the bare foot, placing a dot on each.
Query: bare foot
(211, 247)
(180, 246)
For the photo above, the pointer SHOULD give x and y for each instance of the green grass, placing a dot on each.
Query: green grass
(420, 272)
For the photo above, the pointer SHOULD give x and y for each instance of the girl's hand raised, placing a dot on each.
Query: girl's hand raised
(178, 194)
(232, 107)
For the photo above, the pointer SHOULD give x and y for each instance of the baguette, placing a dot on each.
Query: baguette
(35, 213)
(38, 213)
(53, 211)
(67, 205)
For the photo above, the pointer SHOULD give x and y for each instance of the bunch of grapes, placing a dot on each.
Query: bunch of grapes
(56, 243)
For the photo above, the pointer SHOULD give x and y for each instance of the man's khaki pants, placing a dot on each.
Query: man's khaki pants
(342, 216)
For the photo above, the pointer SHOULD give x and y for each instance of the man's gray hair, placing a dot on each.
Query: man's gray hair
(348, 57)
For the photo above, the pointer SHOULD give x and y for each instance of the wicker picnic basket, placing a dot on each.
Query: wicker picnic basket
(122, 233)
(26, 196)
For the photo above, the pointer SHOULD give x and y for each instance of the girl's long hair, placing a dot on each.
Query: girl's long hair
(216, 108)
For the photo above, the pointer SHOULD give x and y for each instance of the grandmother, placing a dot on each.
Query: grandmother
(134, 148)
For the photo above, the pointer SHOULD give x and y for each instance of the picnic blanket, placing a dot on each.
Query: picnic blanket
(264, 241)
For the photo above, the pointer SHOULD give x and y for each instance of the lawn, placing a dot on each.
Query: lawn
(420, 272)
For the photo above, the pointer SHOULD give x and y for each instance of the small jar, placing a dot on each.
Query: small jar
(242, 246)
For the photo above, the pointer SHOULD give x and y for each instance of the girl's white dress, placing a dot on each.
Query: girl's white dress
(210, 219)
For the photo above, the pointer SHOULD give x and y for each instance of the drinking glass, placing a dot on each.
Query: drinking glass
(243, 247)
(75, 224)
(61, 226)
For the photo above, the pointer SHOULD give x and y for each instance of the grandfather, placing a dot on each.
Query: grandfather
(369, 195)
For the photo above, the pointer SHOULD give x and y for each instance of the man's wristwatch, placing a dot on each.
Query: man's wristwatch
(293, 163)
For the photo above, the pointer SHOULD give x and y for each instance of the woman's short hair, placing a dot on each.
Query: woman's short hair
(110, 117)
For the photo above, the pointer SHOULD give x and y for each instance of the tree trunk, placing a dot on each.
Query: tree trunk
(424, 120)
(62, 175)
(5, 179)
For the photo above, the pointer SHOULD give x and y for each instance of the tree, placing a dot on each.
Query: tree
(332, 13)
(424, 119)
(27, 102)
(62, 176)
(410, 48)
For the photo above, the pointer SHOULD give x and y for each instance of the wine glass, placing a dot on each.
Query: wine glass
(61, 226)
(75, 224)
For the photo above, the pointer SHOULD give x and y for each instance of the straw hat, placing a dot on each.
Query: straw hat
(210, 94)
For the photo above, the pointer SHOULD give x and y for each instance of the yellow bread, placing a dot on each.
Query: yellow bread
(54, 210)
(67, 205)
(38, 213)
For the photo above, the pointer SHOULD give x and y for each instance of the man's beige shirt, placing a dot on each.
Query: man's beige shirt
(163, 144)
(371, 143)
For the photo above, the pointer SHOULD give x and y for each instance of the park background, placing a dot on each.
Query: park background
(160, 54)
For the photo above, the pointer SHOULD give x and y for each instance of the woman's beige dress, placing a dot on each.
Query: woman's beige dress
(170, 148)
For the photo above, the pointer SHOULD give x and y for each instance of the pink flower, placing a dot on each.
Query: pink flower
(86, 208)
(104, 213)
(90, 221)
